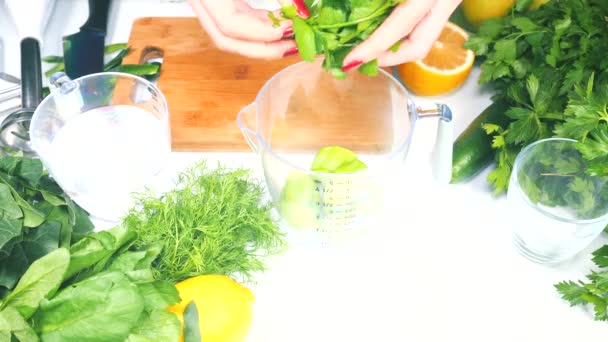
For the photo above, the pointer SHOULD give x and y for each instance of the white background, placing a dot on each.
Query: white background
(441, 267)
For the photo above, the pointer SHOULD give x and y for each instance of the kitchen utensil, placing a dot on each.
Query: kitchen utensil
(83, 51)
(30, 18)
(327, 208)
(549, 223)
(101, 137)
(10, 95)
(205, 86)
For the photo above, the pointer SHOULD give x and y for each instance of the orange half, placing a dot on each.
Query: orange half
(444, 69)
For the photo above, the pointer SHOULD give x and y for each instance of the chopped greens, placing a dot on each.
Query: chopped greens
(335, 27)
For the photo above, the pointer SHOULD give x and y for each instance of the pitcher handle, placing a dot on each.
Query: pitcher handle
(250, 134)
(443, 150)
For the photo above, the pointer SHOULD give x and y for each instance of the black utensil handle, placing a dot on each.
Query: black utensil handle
(31, 73)
(98, 15)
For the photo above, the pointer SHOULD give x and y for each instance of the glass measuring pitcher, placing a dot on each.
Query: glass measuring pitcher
(303, 109)
(102, 137)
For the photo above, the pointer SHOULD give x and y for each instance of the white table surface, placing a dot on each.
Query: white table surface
(440, 268)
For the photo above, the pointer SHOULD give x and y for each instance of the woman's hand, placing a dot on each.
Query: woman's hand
(236, 27)
(417, 23)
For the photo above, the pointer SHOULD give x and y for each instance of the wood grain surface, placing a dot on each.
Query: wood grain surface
(206, 88)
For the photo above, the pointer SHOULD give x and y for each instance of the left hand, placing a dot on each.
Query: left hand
(417, 22)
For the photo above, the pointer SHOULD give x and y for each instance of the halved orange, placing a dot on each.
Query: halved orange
(444, 69)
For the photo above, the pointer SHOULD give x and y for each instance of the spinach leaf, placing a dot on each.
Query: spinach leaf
(12, 323)
(30, 169)
(42, 240)
(60, 216)
(82, 223)
(96, 249)
(192, 332)
(8, 207)
(158, 294)
(40, 280)
(136, 260)
(12, 268)
(101, 308)
(9, 228)
(156, 325)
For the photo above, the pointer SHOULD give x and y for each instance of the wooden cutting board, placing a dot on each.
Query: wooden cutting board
(206, 88)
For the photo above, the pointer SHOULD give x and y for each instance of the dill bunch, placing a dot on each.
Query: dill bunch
(215, 221)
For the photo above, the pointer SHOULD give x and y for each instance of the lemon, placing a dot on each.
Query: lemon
(476, 11)
(224, 307)
(444, 69)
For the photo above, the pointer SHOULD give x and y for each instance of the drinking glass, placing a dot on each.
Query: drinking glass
(102, 137)
(556, 208)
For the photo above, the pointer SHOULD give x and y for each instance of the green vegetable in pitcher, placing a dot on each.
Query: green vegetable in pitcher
(336, 159)
(299, 200)
(301, 196)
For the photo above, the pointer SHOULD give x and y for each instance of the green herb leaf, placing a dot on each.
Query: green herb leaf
(305, 39)
(215, 221)
(370, 68)
(156, 325)
(9, 229)
(158, 294)
(42, 279)
(13, 323)
(191, 325)
(108, 304)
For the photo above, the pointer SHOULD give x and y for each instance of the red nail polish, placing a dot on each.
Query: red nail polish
(350, 66)
(301, 8)
(291, 52)
(288, 32)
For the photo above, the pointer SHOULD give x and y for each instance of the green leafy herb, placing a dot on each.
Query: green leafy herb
(113, 296)
(40, 280)
(12, 323)
(214, 221)
(95, 302)
(541, 63)
(36, 218)
(191, 326)
(336, 27)
(594, 291)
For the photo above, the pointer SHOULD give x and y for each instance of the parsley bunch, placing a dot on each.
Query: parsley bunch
(594, 291)
(335, 27)
(549, 66)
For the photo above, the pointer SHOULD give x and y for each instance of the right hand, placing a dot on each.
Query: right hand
(236, 27)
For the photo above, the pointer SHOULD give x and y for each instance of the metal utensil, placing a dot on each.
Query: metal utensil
(83, 51)
(30, 20)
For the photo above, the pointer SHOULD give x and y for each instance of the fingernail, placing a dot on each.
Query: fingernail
(291, 52)
(350, 66)
(288, 32)
(301, 8)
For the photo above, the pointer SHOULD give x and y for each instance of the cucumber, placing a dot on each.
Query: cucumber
(473, 150)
